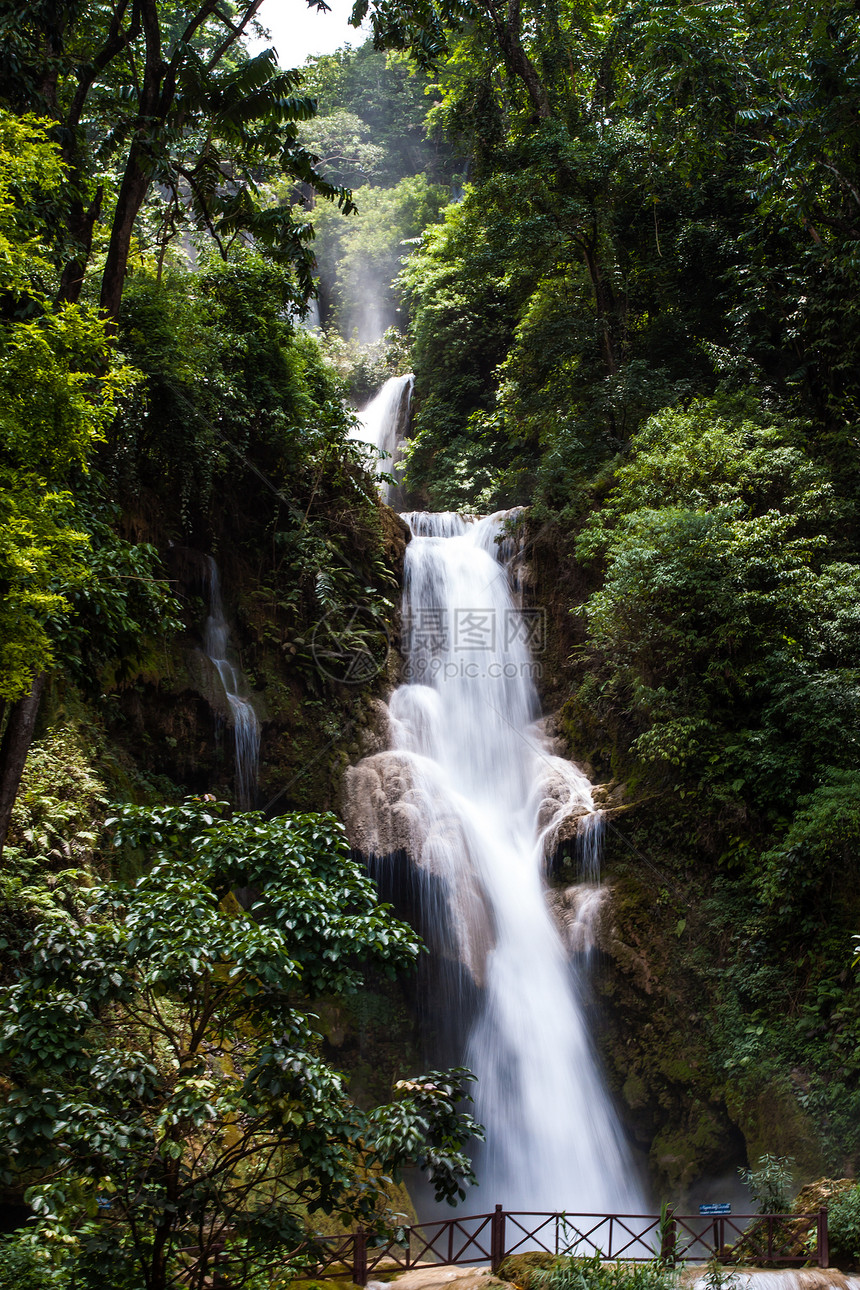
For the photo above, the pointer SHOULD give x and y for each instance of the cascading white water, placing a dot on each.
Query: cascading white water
(246, 727)
(472, 795)
(384, 423)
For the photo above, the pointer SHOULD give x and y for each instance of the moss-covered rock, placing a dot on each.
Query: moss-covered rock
(772, 1121)
(517, 1269)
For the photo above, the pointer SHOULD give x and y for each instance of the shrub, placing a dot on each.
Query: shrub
(21, 1268)
(843, 1223)
(770, 1183)
(593, 1274)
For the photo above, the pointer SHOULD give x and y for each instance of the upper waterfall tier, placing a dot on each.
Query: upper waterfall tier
(384, 423)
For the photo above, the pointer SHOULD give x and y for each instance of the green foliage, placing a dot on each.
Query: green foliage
(24, 1268)
(722, 672)
(822, 839)
(676, 188)
(379, 101)
(227, 375)
(168, 103)
(238, 400)
(843, 1228)
(770, 1183)
(61, 799)
(724, 621)
(38, 539)
(717, 1276)
(122, 605)
(31, 166)
(461, 292)
(370, 132)
(345, 146)
(591, 1273)
(163, 1061)
(60, 390)
(364, 369)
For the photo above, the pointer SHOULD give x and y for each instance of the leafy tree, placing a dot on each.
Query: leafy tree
(59, 391)
(770, 1183)
(164, 1061)
(390, 96)
(239, 402)
(723, 620)
(54, 409)
(462, 292)
(794, 875)
(345, 146)
(178, 103)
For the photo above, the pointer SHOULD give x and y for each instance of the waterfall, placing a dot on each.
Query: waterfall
(246, 727)
(384, 423)
(472, 799)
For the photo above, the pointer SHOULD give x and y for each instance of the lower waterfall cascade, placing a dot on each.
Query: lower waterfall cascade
(471, 799)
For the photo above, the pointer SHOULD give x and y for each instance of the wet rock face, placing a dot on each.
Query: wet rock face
(387, 809)
(379, 807)
(772, 1120)
(577, 912)
(394, 815)
(396, 536)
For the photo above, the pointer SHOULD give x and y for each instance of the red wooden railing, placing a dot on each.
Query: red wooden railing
(787, 1240)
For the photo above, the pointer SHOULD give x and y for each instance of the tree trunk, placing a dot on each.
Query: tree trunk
(133, 190)
(81, 224)
(604, 301)
(15, 745)
(522, 66)
(153, 107)
(508, 33)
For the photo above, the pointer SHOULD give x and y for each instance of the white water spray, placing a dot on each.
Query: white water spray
(246, 727)
(384, 424)
(471, 793)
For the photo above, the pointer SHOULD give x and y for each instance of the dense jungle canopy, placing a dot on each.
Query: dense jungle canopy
(619, 246)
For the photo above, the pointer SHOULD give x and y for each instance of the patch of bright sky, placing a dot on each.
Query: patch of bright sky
(297, 31)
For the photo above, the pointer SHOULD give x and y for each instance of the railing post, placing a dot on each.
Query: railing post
(217, 1260)
(497, 1238)
(668, 1238)
(823, 1241)
(359, 1257)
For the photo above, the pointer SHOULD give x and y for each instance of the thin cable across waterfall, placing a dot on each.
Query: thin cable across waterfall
(471, 798)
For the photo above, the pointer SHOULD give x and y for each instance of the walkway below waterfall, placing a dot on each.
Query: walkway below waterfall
(441, 1277)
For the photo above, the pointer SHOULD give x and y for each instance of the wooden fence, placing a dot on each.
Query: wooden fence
(772, 1240)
